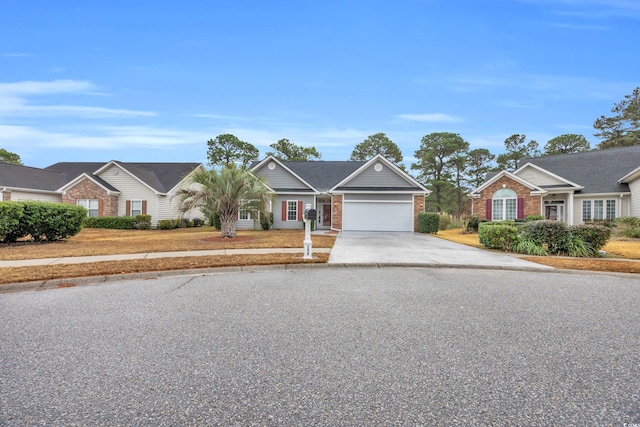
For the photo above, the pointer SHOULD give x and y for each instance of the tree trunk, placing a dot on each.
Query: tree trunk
(227, 225)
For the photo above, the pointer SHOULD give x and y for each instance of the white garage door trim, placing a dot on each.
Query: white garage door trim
(363, 215)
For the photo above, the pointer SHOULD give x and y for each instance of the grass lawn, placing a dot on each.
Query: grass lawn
(622, 249)
(92, 241)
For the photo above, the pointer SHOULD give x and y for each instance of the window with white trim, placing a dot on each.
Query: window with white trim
(244, 215)
(91, 205)
(598, 210)
(292, 210)
(504, 205)
(136, 207)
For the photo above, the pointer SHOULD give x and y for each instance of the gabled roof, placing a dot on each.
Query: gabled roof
(598, 171)
(18, 176)
(286, 166)
(325, 175)
(415, 185)
(96, 179)
(534, 188)
(160, 177)
(565, 183)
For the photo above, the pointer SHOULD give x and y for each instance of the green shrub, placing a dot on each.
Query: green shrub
(111, 222)
(11, 214)
(498, 235)
(528, 247)
(266, 221)
(190, 224)
(143, 222)
(40, 220)
(197, 222)
(576, 247)
(593, 235)
(428, 222)
(166, 224)
(473, 223)
(631, 221)
(530, 218)
(631, 232)
(215, 221)
(552, 235)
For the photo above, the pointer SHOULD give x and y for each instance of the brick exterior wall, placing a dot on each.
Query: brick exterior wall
(336, 212)
(418, 206)
(87, 189)
(531, 203)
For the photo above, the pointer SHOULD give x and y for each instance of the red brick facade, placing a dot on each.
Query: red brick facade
(531, 203)
(336, 212)
(418, 206)
(87, 189)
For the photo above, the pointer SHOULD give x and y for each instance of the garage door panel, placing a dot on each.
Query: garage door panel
(377, 216)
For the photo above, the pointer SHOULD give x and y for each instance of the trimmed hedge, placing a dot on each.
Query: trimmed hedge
(111, 222)
(40, 220)
(428, 222)
(11, 214)
(498, 235)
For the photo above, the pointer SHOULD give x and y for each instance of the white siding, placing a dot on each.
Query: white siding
(539, 178)
(635, 199)
(132, 189)
(40, 197)
(278, 223)
(385, 177)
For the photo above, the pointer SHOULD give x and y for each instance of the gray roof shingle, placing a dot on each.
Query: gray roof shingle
(598, 171)
(18, 176)
(323, 175)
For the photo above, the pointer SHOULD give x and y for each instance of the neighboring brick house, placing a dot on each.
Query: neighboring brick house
(574, 188)
(374, 195)
(104, 189)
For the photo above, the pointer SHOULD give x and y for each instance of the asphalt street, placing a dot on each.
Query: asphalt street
(352, 346)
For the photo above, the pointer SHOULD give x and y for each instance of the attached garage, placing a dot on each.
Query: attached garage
(365, 212)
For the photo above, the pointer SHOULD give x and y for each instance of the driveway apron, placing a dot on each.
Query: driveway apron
(355, 247)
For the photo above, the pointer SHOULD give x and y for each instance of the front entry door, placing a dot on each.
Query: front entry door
(554, 212)
(326, 215)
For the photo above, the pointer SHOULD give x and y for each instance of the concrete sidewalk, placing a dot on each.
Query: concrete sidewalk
(153, 255)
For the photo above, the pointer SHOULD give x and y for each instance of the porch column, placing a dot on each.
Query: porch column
(570, 209)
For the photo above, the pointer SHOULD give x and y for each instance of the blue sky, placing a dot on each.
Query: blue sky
(154, 80)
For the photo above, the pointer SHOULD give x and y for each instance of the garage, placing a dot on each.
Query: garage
(390, 213)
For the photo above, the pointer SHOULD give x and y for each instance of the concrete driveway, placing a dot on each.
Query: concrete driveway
(387, 248)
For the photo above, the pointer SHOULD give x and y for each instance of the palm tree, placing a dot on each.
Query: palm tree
(226, 192)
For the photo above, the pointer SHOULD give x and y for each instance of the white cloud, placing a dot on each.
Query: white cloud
(430, 118)
(105, 138)
(14, 100)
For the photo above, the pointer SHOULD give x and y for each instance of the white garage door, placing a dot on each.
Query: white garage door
(377, 216)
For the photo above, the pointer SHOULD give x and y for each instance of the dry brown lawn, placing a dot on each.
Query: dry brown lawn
(627, 249)
(95, 241)
(91, 241)
(69, 271)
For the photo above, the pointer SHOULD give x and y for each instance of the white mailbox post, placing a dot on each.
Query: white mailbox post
(308, 251)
